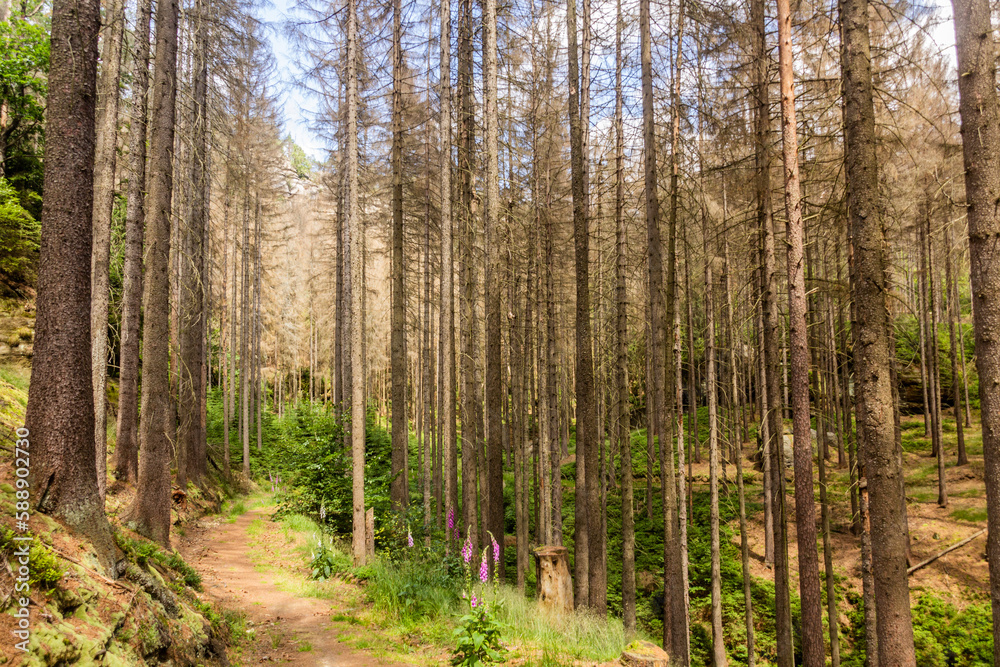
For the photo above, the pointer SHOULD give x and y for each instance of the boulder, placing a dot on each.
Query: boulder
(644, 654)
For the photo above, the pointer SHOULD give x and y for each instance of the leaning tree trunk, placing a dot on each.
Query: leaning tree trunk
(981, 149)
(880, 455)
(127, 441)
(59, 423)
(150, 513)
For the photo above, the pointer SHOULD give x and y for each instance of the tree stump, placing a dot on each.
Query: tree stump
(644, 654)
(555, 586)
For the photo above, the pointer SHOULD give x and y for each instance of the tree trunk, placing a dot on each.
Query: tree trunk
(150, 513)
(446, 330)
(60, 412)
(467, 311)
(798, 344)
(935, 362)
(951, 290)
(718, 645)
(104, 195)
(357, 301)
(821, 390)
(245, 342)
(494, 383)
(622, 431)
(880, 456)
(127, 440)
(868, 580)
(770, 322)
(427, 349)
(981, 150)
(191, 462)
(744, 543)
(400, 430)
(922, 330)
(585, 442)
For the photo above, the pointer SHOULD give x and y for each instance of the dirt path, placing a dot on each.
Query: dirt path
(245, 566)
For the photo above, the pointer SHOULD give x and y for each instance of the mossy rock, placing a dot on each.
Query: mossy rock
(66, 600)
(644, 654)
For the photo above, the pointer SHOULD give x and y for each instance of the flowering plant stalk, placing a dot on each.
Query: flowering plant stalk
(478, 632)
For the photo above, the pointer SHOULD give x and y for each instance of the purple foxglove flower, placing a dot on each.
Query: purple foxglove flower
(496, 550)
(409, 538)
(467, 551)
(484, 569)
(475, 601)
(451, 519)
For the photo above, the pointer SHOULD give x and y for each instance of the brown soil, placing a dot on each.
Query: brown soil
(283, 628)
(958, 577)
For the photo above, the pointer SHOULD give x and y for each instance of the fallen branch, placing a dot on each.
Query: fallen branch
(948, 550)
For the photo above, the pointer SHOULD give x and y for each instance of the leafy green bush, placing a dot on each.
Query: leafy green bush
(327, 561)
(479, 632)
(947, 637)
(43, 565)
(20, 235)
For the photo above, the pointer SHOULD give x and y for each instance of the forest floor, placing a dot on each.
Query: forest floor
(256, 566)
(958, 577)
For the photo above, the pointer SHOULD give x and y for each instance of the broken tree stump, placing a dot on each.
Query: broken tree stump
(644, 654)
(555, 585)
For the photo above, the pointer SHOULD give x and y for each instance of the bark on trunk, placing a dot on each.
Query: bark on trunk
(104, 195)
(191, 449)
(880, 456)
(60, 411)
(951, 290)
(358, 405)
(623, 436)
(981, 150)
(447, 326)
(494, 382)
(150, 513)
(127, 441)
(400, 424)
(798, 344)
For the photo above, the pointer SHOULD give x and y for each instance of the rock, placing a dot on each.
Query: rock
(555, 586)
(644, 654)
(789, 455)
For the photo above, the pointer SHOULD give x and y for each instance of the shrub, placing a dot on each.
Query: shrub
(20, 235)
